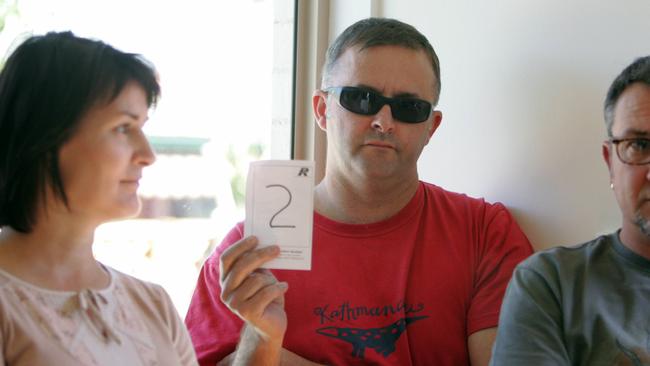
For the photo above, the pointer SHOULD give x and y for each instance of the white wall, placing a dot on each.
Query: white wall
(522, 90)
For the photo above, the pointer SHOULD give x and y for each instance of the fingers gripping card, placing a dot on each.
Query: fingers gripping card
(280, 209)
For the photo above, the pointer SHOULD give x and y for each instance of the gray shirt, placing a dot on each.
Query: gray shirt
(583, 305)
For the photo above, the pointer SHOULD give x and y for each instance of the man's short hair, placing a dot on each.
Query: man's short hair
(373, 32)
(46, 86)
(637, 72)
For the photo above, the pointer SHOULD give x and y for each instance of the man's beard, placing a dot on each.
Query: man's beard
(642, 223)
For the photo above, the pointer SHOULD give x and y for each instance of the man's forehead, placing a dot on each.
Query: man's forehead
(356, 54)
(632, 112)
(385, 64)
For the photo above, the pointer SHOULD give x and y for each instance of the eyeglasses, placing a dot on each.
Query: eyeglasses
(367, 102)
(633, 150)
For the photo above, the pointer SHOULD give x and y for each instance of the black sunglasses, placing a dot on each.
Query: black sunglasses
(367, 102)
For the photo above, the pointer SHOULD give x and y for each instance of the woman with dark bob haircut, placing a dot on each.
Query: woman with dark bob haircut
(72, 152)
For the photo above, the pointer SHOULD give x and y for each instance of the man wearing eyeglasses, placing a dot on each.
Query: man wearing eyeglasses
(590, 304)
(403, 272)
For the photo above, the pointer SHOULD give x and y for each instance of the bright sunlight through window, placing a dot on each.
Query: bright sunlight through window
(226, 75)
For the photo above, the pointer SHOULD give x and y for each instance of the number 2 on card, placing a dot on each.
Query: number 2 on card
(271, 224)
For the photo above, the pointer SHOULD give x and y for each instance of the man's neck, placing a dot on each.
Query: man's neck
(362, 201)
(636, 241)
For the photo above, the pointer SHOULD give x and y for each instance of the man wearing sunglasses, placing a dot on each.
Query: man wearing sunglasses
(590, 304)
(403, 272)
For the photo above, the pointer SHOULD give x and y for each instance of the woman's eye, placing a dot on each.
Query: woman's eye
(122, 128)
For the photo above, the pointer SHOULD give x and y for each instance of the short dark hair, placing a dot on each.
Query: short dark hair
(373, 32)
(637, 72)
(46, 86)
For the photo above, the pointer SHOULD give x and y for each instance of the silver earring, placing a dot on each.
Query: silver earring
(611, 185)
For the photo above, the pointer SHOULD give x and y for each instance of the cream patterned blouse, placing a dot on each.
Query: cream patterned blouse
(131, 322)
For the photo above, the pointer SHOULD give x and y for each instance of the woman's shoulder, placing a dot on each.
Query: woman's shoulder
(137, 289)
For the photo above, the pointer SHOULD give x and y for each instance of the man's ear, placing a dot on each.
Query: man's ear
(607, 156)
(435, 123)
(319, 106)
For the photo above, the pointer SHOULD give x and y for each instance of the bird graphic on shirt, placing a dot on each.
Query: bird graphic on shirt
(382, 340)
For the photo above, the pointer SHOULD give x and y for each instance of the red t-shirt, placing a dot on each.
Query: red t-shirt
(408, 290)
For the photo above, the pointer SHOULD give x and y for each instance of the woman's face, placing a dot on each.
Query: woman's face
(102, 162)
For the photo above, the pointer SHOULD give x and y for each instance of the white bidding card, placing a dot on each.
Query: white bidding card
(280, 209)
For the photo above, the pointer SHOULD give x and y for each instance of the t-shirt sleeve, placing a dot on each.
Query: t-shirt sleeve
(501, 246)
(214, 329)
(530, 330)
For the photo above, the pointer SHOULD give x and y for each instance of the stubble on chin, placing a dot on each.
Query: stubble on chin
(642, 223)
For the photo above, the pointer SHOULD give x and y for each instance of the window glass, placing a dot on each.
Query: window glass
(226, 75)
